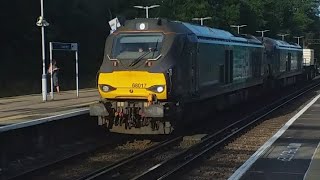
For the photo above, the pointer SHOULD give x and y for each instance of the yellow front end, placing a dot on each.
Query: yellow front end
(132, 85)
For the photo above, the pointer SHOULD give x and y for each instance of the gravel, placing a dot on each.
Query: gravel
(81, 166)
(222, 163)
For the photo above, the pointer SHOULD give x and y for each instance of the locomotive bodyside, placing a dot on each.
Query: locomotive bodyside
(285, 61)
(228, 66)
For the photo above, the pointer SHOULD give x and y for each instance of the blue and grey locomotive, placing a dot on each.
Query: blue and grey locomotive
(154, 70)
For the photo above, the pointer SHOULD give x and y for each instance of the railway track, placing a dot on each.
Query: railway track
(146, 167)
(226, 160)
(113, 171)
(164, 159)
(48, 165)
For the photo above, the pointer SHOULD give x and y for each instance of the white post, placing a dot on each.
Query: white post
(51, 69)
(147, 12)
(77, 74)
(44, 80)
(201, 20)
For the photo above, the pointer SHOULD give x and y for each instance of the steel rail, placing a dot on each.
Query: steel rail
(53, 163)
(112, 169)
(29, 173)
(170, 167)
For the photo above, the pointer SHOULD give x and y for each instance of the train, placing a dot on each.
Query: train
(156, 71)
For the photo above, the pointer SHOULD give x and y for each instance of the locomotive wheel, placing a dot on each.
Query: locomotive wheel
(116, 120)
(155, 124)
(138, 122)
(121, 120)
(126, 124)
(110, 123)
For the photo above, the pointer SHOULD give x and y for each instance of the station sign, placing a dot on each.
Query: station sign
(59, 46)
(64, 46)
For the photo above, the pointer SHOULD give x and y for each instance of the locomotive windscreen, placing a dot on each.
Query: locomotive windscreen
(132, 46)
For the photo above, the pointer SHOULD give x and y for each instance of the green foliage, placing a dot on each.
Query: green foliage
(86, 22)
(185, 10)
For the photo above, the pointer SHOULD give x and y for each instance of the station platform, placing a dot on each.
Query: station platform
(22, 109)
(292, 153)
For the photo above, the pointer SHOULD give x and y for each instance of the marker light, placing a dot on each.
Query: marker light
(149, 63)
(142, 26)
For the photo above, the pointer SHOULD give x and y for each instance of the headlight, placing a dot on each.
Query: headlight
(156, 88)
(142, 26)
(106, 88)
(160, 89)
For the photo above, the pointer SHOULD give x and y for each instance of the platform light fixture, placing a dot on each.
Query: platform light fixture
(262, 32)
(201, 19)
(238, 27)
(147, 8)
(298, 37)
(283, 35)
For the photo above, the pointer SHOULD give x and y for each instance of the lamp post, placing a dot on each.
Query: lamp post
(282, 35)
(238, 27)
(201, 19)
(41, 22)
(262, 32)
(298, 37)
(146, 8)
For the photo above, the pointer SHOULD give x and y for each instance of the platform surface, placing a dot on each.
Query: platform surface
(14, 110)
(294, 155)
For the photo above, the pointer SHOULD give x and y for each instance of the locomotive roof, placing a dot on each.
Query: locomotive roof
(182, 27)
(204, 31)
(166, 26)
(281, 44)
(286, 44)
